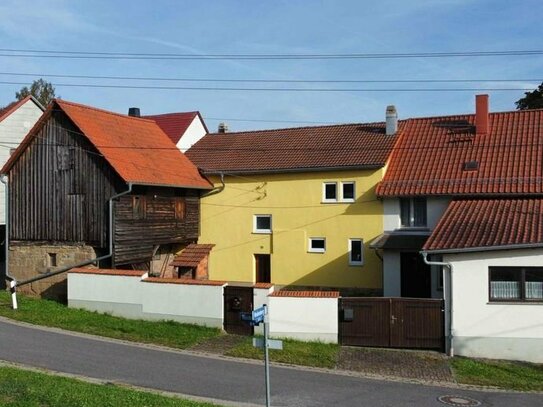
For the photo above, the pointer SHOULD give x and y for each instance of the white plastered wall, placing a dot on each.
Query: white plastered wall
(194, 132)
(493, 330)
(12, 131)
(307, 319)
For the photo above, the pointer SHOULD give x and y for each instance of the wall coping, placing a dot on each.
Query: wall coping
(263, 285)
(108, 272)
(187, 281)
(305, 294)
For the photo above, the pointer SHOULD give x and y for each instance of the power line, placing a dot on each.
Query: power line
(33, 53)
(227, 80)
(246, 89)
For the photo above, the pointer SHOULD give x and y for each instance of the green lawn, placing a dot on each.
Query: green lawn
(20, 387)
(506, 375)
(316, 354)
(51, 313)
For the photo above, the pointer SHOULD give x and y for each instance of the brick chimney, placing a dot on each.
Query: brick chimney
(481, 114)
(223, 128)
(134, 112)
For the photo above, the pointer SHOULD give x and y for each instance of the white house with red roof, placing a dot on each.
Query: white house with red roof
(183, 128)
(16, 120)
(466, 192)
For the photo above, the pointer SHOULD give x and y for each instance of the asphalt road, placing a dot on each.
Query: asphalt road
(217, 378)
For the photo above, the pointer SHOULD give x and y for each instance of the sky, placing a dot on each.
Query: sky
(277, 27)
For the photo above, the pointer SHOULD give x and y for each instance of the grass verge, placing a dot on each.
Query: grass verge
(19, 387)
(53, 314)
(503, 374)
(315, 354)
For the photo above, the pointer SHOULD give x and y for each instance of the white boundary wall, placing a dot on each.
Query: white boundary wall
(489, 329)
(306, 319)
(130, 297)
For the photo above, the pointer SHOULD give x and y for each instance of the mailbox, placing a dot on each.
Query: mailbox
(348, 315)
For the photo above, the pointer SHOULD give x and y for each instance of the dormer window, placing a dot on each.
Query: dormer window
(413, 212)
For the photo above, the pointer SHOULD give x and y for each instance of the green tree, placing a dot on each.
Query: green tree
(531, 100)
(42, 90)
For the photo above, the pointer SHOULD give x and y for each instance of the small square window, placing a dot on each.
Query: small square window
(356, 252)
(329, 192)
(262, 224)
(317, 245)
(347, 189)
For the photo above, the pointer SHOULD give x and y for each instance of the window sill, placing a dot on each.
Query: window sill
(519, 302)
(262, 232)
(317, 251)
(338, 202)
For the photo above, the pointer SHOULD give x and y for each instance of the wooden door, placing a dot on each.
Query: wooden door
(236, 301)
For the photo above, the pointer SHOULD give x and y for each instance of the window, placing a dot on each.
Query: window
(139, 207)
(347, 191)
(516, 284)
(356, 252)
(262, 224)
(330, 192)
(179, 208)
(413, 212)
(317, 245)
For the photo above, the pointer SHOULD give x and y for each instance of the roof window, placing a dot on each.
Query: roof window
(470, 166)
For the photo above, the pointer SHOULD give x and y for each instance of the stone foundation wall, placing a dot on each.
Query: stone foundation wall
(27, 261)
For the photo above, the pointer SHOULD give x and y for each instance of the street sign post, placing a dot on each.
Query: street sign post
(255, 318)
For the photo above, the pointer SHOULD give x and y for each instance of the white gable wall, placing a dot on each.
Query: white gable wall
(493, 330)
(194, 132)
(12, 131)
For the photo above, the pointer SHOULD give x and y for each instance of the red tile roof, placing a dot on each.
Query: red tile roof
(304, 148)
(108, 272)
(192, 255)
(137, 149)
(430, 156)
(305, 294)
(488, 223)
(175, 124)
(187, 281)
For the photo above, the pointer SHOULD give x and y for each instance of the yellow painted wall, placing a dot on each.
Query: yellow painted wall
(295, 203)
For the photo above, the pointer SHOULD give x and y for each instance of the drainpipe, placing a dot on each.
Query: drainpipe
(80, 264)
(448, 299)
(12, 281)
(218, 189)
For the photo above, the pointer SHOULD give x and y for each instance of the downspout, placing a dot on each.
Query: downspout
(83, 263)
(218, 189)
(447, 298)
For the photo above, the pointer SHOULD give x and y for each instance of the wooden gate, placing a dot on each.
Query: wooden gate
(237, 300)
(391, 322)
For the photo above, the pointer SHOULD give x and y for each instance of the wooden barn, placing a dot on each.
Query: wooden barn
(87, 183)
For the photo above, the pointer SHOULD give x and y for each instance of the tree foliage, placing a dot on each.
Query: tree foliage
(42, 90)
(531, 100)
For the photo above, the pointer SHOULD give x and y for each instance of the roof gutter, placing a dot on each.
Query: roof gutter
(14, 283)
(447, 299)
(487, 248)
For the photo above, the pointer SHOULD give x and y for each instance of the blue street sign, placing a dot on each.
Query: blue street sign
(258, 315)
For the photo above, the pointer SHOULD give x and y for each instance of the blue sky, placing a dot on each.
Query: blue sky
(278, 27)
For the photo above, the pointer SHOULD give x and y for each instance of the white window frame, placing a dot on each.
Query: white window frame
(350, 250)
(310, 247)
(343, 183)
(262, 231)
(324, 184)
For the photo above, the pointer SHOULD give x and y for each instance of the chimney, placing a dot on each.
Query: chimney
(391, 120)
(134, 111)
(223, 128)
(481, 114)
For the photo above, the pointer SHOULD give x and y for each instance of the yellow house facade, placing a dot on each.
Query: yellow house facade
(305, 223)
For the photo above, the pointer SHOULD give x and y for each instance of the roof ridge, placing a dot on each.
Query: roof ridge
(125, 116)
(300, 128)
(473, 114)
(193, 112)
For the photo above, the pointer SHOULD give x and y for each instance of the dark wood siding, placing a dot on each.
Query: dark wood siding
(59, 188)
(155, 217)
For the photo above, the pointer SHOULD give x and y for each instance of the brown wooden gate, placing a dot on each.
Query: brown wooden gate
(391, 322)
(237, 300)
